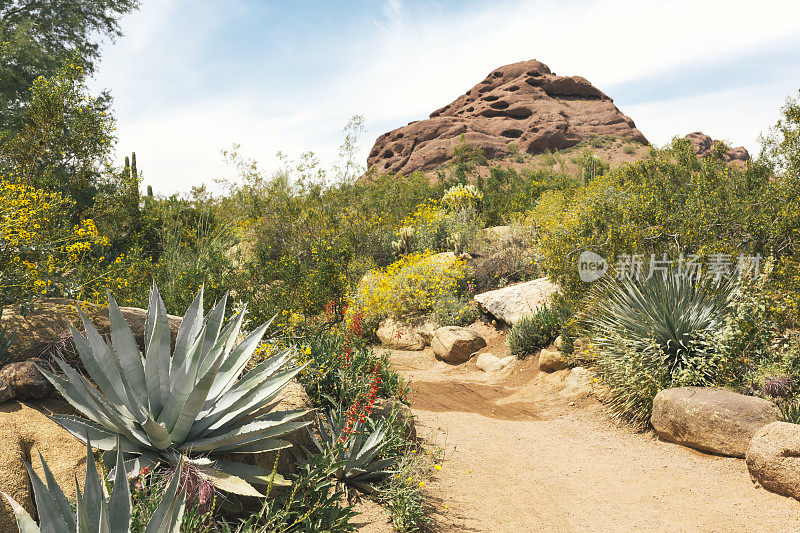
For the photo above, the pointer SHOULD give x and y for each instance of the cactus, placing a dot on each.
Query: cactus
(454, 243)
(592, 168)
(403, 245)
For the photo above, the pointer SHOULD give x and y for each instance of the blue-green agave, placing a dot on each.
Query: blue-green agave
(192, 405)
(93, 514)
(358, 459)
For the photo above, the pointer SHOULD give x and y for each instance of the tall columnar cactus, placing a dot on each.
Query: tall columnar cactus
(402, 246)
(93, 514)
(192, 404)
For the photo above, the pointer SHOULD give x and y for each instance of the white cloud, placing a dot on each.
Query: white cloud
(418, 58)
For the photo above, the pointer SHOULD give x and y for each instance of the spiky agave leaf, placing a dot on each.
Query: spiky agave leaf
(358, 460)
(191, 402)
(94, 514)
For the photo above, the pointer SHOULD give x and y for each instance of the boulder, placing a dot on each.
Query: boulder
(45, 328)
(394, 334)
(25, 380)
(425, 329)
(551, 361)
(558, 343)
(456, 345)
(511, 303)
(524, 104)
(491, 363)
(578, 383)
(773, 458)
(25, 431)
(710, 419)
(384, 407)
(6, 392)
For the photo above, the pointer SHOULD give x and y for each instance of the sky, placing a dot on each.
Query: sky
(193, 77)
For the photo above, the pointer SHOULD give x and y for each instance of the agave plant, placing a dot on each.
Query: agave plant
(649, 336)
(357, 459)
(92, 512)
(192, 405)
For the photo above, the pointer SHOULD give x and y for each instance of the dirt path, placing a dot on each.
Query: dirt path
(521, 456)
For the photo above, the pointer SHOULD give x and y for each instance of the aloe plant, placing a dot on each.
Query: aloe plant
(192, 405)
(357, 459)
(92, 512)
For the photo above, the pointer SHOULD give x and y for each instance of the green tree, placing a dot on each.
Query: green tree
(781, 147)
(37, 36)
(62, 140)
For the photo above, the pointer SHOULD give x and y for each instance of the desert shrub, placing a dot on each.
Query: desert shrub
(310, 241)
(403, 495)
(314, 503)
(629, 149)
(450, 310)
(535, 331)
(341, 370)
(434, 224)
(651, 335)
(507, 191)
(790, 412)
(411, 286)
(41, 251)
(672, 203)
(194, 246)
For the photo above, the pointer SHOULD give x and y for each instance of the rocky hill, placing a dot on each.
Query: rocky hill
(704, 145)
(523, 103)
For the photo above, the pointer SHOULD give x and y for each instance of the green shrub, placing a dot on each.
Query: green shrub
(672, 203)
(533, 332)
(790, 412)
(315, 503)
(652, 335)
(340, 370)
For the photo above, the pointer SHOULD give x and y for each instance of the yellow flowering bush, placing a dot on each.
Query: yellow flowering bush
(41, 252)
(412, 286)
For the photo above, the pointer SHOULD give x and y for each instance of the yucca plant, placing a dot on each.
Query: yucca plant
(192, 405)
(358, 459)
(648, 334)
(92, 512)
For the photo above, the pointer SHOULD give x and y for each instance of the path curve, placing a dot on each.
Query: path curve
(520, 456)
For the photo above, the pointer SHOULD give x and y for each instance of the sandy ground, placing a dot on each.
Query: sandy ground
(520, 456)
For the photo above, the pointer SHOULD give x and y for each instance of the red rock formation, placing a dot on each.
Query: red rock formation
(522, 103)
(704, 145)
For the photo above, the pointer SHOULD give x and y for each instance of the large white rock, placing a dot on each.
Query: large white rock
(511, 303)
(578, 383)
